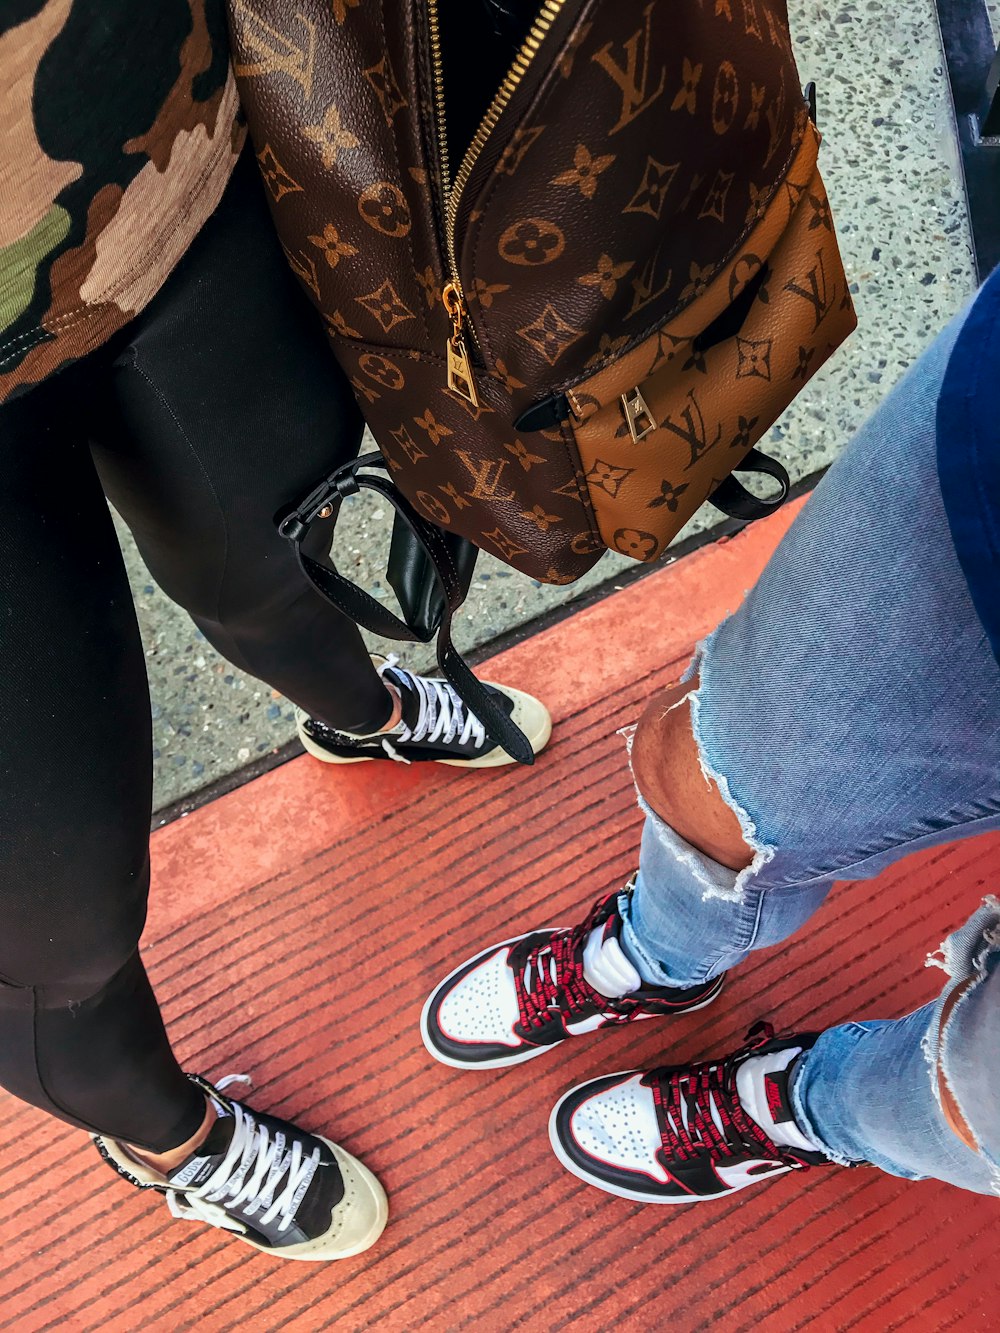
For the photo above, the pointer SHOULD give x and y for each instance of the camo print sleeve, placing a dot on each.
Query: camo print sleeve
(119, 127)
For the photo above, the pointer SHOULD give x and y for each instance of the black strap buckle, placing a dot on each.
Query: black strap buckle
(321, 502)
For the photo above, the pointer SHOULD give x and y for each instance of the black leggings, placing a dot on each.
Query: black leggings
(217, 406)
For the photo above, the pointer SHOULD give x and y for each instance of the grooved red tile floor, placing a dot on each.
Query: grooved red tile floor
(296, 928)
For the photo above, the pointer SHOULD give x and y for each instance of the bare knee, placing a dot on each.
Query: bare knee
(668, 773)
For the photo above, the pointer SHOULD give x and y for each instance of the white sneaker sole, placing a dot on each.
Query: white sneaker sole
(530, 714)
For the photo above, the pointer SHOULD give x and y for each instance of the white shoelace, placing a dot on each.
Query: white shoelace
(248, 1177)
(442, 715)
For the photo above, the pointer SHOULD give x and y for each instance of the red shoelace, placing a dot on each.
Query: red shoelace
(684, 1100)
(549, 979)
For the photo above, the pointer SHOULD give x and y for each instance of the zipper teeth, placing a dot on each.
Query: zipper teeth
(522, 61)
(437, 64)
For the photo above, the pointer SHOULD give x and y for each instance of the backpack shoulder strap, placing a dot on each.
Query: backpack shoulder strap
(366, 611)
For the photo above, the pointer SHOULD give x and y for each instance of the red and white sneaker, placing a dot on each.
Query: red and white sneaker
(691, 1132)
(519, 998)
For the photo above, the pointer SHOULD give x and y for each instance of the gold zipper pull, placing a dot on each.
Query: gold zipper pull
(638, 416)
(460, 379)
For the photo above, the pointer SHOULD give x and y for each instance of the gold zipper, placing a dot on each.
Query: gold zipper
(460, 377)
(460, 380)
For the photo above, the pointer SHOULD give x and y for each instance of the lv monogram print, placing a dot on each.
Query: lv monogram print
(647, 164)
(709, 404)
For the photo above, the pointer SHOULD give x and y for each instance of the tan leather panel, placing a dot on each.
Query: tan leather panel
(712, 407)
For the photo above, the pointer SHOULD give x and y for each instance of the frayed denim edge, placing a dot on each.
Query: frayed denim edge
(963, 955)
(763, 853)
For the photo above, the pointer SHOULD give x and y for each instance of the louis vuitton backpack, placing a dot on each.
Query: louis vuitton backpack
(566, 324)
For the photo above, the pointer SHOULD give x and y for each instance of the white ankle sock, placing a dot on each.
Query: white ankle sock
(752, 1088)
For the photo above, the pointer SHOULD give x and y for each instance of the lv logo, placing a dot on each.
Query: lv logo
(644, 286)
(632, 76)
(818, 292)
(273, 52)
(486, 474)
(693, 431)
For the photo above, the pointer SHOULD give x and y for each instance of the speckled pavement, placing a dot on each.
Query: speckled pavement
(890, 163)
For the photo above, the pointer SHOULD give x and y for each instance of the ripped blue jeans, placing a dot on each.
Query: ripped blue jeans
(850, 714)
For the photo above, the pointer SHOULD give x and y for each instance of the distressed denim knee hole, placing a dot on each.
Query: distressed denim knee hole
(971, 959)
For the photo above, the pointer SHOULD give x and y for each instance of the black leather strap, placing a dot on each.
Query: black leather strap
(411, 576)
(733, 498)
(370, 614)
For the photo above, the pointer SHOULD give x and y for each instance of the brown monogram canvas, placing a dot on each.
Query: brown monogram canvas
(654, 159)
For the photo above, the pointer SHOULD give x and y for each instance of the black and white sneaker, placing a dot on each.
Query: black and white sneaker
(519, 998)
(688, 1133)
(436, 725)
(282, 1190)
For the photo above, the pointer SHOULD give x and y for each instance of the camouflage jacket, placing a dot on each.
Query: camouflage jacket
(118, 132)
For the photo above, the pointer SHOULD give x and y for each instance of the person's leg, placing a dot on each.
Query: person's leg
(917, 1096)
(81, 1035)
(80, 1032)
(848, 713)
(226, 406)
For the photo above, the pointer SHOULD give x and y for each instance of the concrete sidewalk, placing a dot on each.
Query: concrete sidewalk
(891, 167)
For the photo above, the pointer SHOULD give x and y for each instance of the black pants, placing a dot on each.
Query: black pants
(217, 406)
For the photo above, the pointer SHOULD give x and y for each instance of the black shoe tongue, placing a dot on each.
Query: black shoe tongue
(205, 1159)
